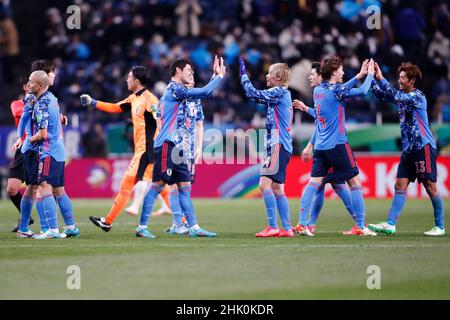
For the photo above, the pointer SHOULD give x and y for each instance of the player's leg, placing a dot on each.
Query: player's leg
(49, 177)
(26, 205)
(164, 201)
(31, 168)
(429, 182)
(344, 193)
(178, 226)
(319, 171)
(15, 179)
(283, 210)
(66, 208)
(140, 189)
(187, 206)
(41, 212)
(438, 209)
(345, 167)
(278, 177)
(406, 173)
(270, 202)
(316, 208)
(12, 189)
(160, 177)
(15, 196)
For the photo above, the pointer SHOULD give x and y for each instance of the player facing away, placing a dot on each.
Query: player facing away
(192, 137)
(331, 146)
(308, 228)
(143, 106)
(418, 158)
(277, 145)
(171, 163)
(16, 170)
(48, 136)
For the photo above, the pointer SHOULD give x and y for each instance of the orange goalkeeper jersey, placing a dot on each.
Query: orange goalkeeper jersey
(143, 106)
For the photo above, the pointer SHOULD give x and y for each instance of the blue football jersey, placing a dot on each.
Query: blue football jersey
(47, 116)
(412, 109)
(279, 113)
(172, 112)
(329, 104)
(27, 124)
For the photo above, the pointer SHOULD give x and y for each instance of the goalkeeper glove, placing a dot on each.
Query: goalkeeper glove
(86, 100)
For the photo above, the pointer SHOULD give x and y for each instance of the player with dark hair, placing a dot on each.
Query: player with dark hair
(171, 163)
(418, 158)
(331, 145)
(143, 107)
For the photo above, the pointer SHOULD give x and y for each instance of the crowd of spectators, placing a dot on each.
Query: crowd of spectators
(116, 35)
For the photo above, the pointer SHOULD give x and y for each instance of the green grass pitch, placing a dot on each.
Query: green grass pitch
(235, 265)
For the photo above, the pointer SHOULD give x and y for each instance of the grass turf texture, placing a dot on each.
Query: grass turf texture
(235, 265)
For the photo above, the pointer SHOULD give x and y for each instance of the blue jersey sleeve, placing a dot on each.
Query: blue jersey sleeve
(346, 90)
(181, 92)
(379, 93)
(411, 99)
(341, 90)
(312, 112)
(272, 95)
(24, 120)
(313, 138)
(363, 89)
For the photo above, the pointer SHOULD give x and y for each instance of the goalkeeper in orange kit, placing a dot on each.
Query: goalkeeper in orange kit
(143, 106)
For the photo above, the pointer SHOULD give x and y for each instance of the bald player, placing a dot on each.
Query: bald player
(46, 134)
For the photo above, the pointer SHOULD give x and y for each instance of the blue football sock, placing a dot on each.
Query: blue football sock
(343, 193)
(149, 201)
(438, 211)
(49, 204)
(283, 211)
(174, 201)
(317, 205)
(26, 205)
(359, 209)
(396, 207)
(271, 207)
(41, 213)
(187, 206)
(305, 203)
(65, 205)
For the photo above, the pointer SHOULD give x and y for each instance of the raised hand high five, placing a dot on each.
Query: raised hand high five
(242, 69)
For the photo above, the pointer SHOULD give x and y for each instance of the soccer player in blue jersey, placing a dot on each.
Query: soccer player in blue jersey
(277, 145)
(308, 228)
(47, 136)
(171, 163)
(31, 162)
(192, 137)
(331, 146)
(418, 158)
